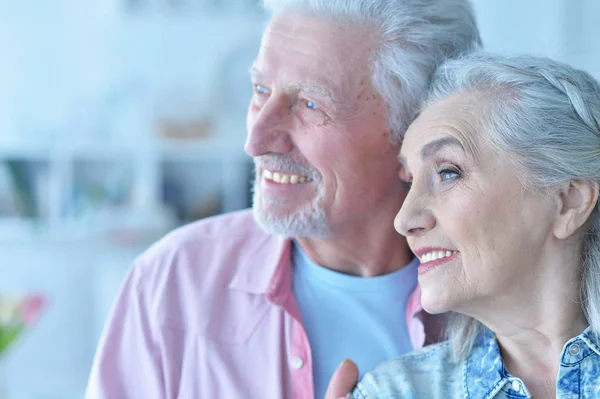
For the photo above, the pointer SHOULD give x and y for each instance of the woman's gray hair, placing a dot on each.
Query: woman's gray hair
(415, 36)
(544, 117)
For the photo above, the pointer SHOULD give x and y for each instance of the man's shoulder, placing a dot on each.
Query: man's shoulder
(189, 277)
(221, 235)
(225, 226)
(207, 253)
(426, 372)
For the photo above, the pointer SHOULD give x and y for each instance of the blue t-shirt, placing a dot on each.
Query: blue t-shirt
(361, 318)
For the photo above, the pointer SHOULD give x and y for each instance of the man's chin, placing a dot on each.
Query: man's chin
(295, 223)
(275, 222)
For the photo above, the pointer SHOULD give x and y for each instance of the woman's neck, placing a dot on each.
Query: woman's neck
(531, 342)
(534, 321)
(533, 353)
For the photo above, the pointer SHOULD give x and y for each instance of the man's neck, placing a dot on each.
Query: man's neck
(360, 253)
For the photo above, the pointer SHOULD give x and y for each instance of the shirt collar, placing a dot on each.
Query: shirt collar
(485, 373)
(580, 347)
(267, 265)
(592, 339)
(484, 368)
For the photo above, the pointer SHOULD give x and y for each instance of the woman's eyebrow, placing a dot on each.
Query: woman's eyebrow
(434, 146)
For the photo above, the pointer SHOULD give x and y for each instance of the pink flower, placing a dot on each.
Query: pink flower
(31, 309)
(17, 315)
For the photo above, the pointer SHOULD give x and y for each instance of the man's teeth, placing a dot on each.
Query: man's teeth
(283, 178)
(435, 255)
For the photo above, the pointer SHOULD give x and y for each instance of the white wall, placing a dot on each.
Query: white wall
(583, 32)
(567, 30)
(65, 60)
(52, 51)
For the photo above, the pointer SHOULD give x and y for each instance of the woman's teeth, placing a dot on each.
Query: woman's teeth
(435, 255)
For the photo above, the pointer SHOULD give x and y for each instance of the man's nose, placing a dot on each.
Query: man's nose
(414, 218)
(269, 129)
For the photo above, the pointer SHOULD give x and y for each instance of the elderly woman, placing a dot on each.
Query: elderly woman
(504, 168)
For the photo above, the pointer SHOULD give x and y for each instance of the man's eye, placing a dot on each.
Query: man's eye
(310, 105)
(448, 174)
(260, 89)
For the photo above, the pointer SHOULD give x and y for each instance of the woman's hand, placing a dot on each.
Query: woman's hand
(343, 380)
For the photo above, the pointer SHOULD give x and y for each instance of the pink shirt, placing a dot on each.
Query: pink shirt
(208, 311)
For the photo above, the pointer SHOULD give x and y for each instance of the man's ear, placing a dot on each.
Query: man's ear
(578, 198)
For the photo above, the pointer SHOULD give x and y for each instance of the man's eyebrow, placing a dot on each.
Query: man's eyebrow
(311, 88)
(299, 87)
(255, 72)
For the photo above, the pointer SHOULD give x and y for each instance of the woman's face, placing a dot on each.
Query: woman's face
(478, 233)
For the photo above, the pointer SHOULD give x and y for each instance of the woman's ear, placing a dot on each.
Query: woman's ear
(578, 198)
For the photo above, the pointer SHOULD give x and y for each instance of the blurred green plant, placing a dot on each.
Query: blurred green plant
(18, 315)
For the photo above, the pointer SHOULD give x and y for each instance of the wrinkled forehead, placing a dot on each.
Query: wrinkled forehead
(338, 50)
(300, 23)
(337, 35)
(461, 116)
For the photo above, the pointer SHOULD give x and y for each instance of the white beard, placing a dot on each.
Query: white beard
(309, 220)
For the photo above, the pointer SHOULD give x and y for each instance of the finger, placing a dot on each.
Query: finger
(343, 380)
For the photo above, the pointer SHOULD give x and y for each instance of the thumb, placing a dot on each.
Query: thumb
(343, 380)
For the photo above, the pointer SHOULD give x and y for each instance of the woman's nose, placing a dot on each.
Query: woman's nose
(414, 217)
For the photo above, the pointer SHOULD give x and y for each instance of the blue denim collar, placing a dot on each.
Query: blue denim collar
(592, 339)
(483, 368)
(580, 347)
(485, 373)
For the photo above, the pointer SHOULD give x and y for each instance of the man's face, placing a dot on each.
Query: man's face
(317, 130)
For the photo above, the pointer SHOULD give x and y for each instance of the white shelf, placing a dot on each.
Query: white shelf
(187, 150)
(27, 151)
(211, 150)
(137, 171)
(17, 230)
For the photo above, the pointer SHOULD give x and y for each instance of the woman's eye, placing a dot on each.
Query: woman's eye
(260, 89)
(448, 174)
(310, 105)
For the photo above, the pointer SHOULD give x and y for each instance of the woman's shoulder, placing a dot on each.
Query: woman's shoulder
(426, 373)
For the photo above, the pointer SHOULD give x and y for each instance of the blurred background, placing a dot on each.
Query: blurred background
(122, 119)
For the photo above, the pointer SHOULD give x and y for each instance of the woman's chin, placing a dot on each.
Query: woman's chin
(433, 302)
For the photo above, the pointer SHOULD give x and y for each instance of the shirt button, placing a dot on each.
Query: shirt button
(516, 385)
(574, 349)
(297, 362)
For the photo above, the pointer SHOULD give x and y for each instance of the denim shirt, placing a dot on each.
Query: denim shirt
(431, 373)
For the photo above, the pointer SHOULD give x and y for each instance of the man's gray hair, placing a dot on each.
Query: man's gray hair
(544, 117)
(414, 37)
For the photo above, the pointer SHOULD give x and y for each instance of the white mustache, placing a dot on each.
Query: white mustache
(285, 164)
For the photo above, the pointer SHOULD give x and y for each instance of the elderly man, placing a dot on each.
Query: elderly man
(251, 304)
